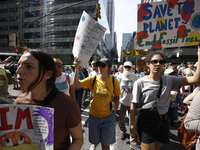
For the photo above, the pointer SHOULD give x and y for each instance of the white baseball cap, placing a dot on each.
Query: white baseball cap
(168, 71)
(128, 63)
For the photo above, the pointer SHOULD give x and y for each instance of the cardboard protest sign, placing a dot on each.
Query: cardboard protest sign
(88, 35)
(26, 127)
(186, 90)
(170, 23)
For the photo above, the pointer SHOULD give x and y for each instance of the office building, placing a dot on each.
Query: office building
(53, 34)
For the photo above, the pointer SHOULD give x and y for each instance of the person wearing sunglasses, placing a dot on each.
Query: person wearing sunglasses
(153, 122)
(102, 118)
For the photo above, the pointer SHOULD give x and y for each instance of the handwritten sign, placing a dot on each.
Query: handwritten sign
(186, 90)
(168, 23)
(88, 35)
(26, 127)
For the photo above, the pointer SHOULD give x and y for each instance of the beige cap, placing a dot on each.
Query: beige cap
(57, 60)
(195, 65)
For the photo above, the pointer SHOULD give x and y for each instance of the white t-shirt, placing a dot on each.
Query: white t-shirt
(89, 69)
(93, 73)
(62, 84)
(146, 90)
(126, 87)
(188, 72)
(140, 75)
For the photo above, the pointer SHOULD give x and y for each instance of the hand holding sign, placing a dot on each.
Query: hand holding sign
(88, 35)
(76, 63)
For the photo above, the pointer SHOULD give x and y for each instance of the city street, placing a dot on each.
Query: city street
(120, 144)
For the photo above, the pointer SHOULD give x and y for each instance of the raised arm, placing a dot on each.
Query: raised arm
(189, 98)
(77, 83)
(196, 77)
(6, 60)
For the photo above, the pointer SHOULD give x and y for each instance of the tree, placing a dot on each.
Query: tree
(114, 56)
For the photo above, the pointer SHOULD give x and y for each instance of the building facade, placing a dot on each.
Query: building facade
(126, 37)
(53, 34)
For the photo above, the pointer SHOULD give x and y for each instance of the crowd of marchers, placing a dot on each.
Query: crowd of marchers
(151, 97)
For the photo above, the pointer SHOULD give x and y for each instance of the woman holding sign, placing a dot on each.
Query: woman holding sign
(151, 94)
(36, 75)
(102, 118)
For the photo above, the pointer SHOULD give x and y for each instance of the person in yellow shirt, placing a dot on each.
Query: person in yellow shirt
(3, 83)
(102, 117)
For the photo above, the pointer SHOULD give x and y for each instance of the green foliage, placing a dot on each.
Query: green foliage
(113, 54)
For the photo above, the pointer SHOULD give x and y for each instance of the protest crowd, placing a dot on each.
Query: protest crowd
(151, 97)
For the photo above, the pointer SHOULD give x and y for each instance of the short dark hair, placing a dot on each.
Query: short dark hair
(152, 53)
(46, 63)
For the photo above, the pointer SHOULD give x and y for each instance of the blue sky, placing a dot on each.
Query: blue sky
(125, 18)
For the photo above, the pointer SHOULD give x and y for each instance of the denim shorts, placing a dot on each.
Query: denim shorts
(102, 130)
(153, 127)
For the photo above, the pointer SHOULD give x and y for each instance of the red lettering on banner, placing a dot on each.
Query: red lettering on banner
(4, 125)
(186, 91)
(21, 115)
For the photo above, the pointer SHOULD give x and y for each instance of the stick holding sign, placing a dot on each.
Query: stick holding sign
(88, 35)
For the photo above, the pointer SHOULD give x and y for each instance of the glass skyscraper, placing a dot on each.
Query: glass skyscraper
(53, 34)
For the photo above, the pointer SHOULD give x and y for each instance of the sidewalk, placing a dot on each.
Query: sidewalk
(12, 95)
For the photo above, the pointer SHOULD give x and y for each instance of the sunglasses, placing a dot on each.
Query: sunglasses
(101, 65)
(128, 67)
(156, 61)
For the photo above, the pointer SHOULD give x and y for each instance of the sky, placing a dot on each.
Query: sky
(125, 18)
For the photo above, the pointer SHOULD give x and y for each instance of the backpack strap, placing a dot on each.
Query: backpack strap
(94, 81)
(49, 97)
(113, 80)
(160, 88)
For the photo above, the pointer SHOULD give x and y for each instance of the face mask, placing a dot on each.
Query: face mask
(126, 73)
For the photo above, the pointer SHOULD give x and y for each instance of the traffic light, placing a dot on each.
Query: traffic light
(97, 11)
(18, 50)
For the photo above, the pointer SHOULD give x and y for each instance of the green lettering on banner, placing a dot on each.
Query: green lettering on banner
(161, 37)
(185, 35)
(140, 40)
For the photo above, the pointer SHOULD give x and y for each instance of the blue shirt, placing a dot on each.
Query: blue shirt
(80, 76)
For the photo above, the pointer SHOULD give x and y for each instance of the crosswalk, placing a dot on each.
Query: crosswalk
(85, 115)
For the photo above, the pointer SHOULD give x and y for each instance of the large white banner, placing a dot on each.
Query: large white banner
(26, 127)
(170, 23)
(88, 35)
